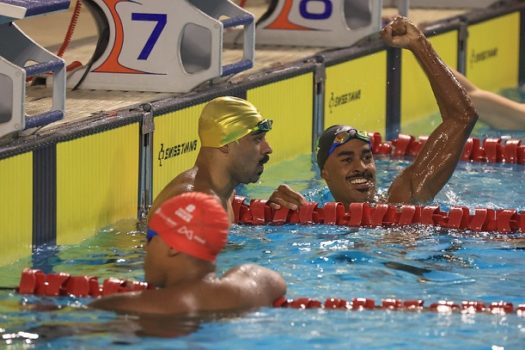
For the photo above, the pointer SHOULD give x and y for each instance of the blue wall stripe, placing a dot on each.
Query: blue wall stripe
(393, 93)
(44, 196)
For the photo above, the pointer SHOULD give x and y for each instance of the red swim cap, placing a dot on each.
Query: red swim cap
(192, 223)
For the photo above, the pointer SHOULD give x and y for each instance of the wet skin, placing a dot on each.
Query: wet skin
(187, 285)
(350, 170)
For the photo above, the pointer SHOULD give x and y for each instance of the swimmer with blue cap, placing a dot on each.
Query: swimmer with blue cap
(186, 234)
(344, 154)
(233, 151)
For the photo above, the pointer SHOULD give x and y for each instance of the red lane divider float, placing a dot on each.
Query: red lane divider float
(358, 304)
(33, 281)
(36, 282)
(257, 212)
(490, 150)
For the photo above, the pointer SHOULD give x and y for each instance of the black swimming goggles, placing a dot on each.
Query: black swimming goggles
(264, 125)
(346, 135)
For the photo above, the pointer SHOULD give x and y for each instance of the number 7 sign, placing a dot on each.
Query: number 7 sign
(162, 45)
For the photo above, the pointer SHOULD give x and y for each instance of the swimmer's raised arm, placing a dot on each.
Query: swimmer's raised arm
(436, 162)
(495, 110)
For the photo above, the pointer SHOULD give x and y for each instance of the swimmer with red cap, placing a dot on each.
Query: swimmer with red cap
(233, 151)
(186, 233)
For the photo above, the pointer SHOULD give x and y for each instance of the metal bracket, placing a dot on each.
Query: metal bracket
(318, 119)
(146, 164)
(320, 73)
(462, 46)
(148, 126)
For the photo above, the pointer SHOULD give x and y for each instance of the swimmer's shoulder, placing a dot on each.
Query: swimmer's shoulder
(266, 281)
(186, 177)
(182, 183)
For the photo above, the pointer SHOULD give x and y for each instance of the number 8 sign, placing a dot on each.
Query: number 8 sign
(331, 23)
(305, 11)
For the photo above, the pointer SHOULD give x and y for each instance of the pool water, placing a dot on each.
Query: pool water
(424, 126)
(317, 261)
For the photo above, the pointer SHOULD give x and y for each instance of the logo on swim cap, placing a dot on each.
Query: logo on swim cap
(185, 214)
(227, 119)
(192, 223)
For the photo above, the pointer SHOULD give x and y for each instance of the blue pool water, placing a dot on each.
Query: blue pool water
(317, 262)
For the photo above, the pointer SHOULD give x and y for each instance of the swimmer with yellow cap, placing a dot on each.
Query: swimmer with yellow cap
(186, 234)
(227, 119)
(233, 150)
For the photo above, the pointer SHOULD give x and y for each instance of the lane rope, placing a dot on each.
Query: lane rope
(258, 212)
(36, 282)
(489, 150)
(418, 305)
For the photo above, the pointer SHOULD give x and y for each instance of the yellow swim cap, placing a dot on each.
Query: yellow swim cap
(226, 119)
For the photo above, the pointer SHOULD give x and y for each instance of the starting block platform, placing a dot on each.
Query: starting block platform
(162, 45)
(20, 59)
(11, 10)
(327, 23)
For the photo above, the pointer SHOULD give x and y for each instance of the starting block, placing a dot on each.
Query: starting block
(162, 45)
(21, 58)
(328, 23)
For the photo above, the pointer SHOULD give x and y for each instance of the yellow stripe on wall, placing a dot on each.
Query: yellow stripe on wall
(417, 99)
(355, 93)
(16, 207)
(493, 52)
(175, 144)
(289, 103)
(97, 182)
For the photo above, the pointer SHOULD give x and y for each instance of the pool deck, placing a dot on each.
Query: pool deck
(84, 104)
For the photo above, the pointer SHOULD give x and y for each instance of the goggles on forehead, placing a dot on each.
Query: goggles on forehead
(344, 136)
(264, 125)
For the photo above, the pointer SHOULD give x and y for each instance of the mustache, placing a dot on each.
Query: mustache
(364, 174)
(264, 159)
